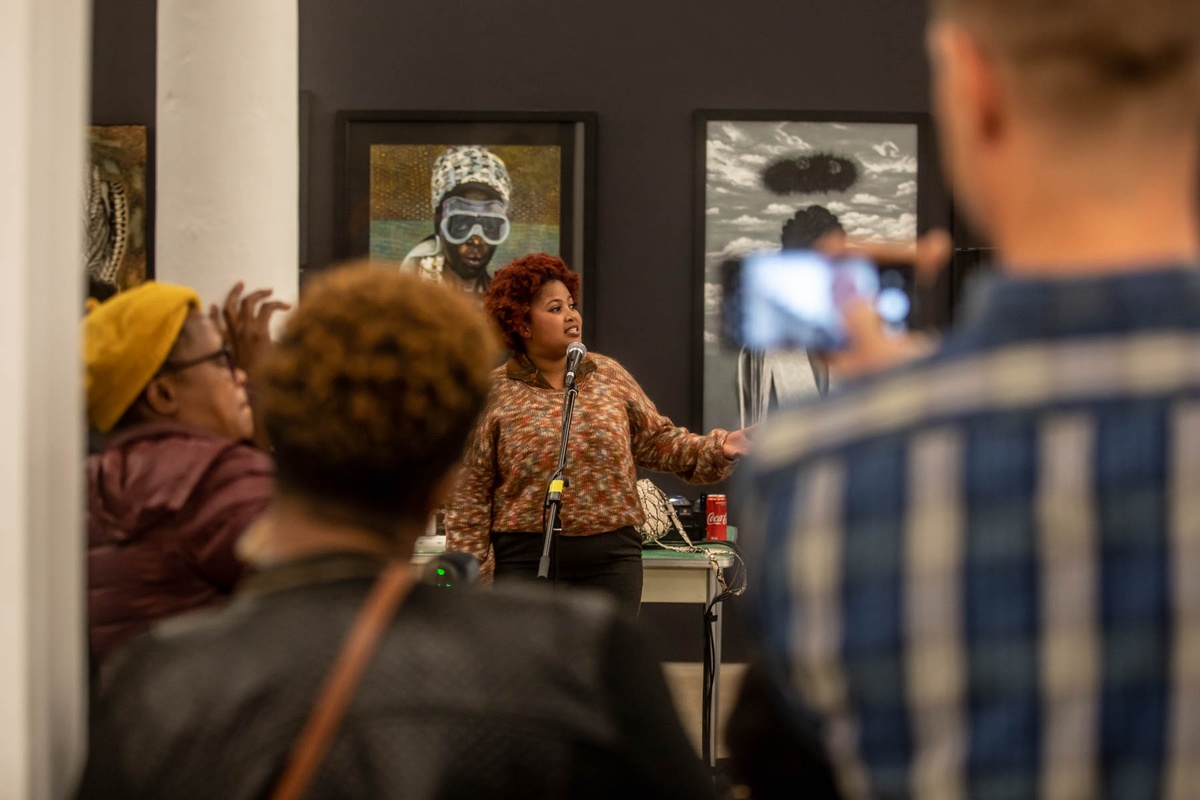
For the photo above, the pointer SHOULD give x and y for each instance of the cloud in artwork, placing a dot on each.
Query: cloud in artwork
(901, 165)
(732, 133)
(753, 158)
(779, 208)
(906, 189)
(880, 228)
(887, 149)
(790, 141)
(724, 166)
(712, 212)
(858, 219)
(747, 221)
(741, 246)
(837, 207)
(867, 200)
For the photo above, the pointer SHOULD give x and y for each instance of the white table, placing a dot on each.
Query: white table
(671, 577)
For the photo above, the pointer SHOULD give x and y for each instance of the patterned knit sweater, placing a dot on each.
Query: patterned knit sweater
(615, 429)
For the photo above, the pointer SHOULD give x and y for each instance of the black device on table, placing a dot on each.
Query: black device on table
(451, 570)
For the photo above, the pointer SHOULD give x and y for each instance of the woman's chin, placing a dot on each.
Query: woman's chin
(245, 424)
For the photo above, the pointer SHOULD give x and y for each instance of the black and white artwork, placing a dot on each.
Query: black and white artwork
(770, 183)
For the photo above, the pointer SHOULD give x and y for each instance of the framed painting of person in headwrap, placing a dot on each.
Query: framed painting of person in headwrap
(771, 182)
(455, 196)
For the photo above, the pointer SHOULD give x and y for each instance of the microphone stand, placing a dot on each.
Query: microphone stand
(552, 505)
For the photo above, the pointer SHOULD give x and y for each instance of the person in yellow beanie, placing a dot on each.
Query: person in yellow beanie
(177, 480)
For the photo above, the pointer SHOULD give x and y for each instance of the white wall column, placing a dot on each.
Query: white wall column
(44, 48)
(227, 145)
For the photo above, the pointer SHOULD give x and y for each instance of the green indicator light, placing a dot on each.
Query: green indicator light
(441, 571)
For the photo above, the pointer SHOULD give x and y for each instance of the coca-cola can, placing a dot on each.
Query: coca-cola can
(717, 509)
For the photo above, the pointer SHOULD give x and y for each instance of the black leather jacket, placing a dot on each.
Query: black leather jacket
(471, 694)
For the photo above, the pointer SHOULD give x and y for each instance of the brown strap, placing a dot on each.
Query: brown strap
(322, 725)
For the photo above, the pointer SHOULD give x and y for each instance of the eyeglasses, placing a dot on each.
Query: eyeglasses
(224, 357)
(462, 219)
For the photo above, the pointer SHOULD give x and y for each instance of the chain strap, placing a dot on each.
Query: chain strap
(661, 517)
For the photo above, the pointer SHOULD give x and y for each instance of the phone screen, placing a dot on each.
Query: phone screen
(794, 299)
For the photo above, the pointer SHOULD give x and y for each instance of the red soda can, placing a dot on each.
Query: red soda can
(718, 518)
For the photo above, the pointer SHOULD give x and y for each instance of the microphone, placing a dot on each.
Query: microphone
(575, 353)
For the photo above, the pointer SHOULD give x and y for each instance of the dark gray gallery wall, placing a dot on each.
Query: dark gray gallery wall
(123, 62)
(642, 65)
(123, 70)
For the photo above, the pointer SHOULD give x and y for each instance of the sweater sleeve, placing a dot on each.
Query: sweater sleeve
(235, 491)
(658, 444)
(469, 512)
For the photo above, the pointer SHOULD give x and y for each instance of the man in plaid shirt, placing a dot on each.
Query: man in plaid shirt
(980, 571)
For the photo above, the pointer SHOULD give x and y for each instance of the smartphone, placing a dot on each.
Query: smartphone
(794, 299)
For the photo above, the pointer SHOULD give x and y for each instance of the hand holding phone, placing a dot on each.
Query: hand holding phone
(853, 305)
(797, 299)
(869, 348)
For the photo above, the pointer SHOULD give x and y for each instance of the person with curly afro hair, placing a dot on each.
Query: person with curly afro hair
(497, 510)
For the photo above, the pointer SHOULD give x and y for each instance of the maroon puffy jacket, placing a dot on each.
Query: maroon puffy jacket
(166, 505)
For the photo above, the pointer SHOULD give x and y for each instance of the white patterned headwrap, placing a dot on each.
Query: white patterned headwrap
(469, 164)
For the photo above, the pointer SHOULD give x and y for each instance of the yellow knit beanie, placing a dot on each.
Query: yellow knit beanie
(126, 339)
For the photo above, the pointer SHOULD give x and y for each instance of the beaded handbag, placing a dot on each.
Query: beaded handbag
(661, 517)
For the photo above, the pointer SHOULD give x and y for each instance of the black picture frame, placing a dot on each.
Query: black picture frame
(573, 133)
(929, 206)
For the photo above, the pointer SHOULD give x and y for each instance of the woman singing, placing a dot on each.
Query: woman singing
(615, 429)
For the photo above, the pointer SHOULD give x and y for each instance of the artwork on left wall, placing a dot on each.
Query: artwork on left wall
(116, 206)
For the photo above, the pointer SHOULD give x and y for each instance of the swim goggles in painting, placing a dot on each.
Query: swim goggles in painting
(462, 219)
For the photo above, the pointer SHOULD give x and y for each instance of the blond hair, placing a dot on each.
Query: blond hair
(1088, 61)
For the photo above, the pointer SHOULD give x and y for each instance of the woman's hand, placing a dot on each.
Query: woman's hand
(737, 443)
(245, 323)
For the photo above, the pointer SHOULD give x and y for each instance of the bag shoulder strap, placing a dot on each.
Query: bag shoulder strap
(309, 750)
(692, 547)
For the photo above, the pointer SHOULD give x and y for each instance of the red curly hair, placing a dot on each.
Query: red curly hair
(514, 288)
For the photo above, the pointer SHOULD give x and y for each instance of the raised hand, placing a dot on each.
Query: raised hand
(246, 324)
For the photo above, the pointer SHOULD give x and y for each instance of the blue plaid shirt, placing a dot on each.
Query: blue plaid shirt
(981, 573)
